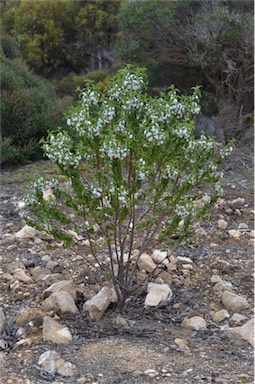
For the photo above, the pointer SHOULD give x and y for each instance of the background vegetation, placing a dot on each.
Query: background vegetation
(49, 48)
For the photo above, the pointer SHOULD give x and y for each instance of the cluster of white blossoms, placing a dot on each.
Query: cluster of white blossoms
(113, 150)
(142, 172)
(116, 192)
(205, 142)
(226, 151)
(181, 132)
(131, 104)
(185, 210)
(132, 83)
(90, 97)
(154, 134)
(170, 173)
(108, 113)
(96, 191)
(58, 149)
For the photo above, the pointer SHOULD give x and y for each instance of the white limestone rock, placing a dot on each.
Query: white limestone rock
(220, 316)
(222, 224)
(196, 323)
(97, 306)
(60, 301)
(21, 275)
(157, 293)
(55, 332)
(26, 232)
(146, 262)
(64, 285)
(160, 257)
(234, 233)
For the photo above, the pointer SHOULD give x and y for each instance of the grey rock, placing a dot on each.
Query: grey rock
(53, 363)
(223, 285)
(237, 203)
(234, 302)
(243, 227)
(245, 332)
(238, 318)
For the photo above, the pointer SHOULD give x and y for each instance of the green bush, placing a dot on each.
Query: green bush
(29, 107)
(69, 84)
(10, 46)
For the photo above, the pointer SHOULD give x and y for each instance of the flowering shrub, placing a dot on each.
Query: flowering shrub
(132, 168)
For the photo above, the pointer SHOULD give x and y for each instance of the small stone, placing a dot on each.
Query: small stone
(119, 321)
(220, 316)
(223, 286)
(160, 257)
(48, 360)
(200, 231)
(55, 332)
(237, 203)
(60, 301)
(196, 323)
(222, 224)
(184, 260)
(245, 332)
(48, 194)
(21, 275)
(234, 233)
(50, 279)
(146, 262)
(188, 267)
(182, 343)
(15, 286)
(234, 302)
(243, 227)
(238, 318)
(157, 293)
(151, 372)
(215, 279)
(38, 241)
(65, 368)
(2, 319)
(23, 316)
(166, 277)
(26, 232)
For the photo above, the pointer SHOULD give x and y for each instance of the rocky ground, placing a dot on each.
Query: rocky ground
(46, 336)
